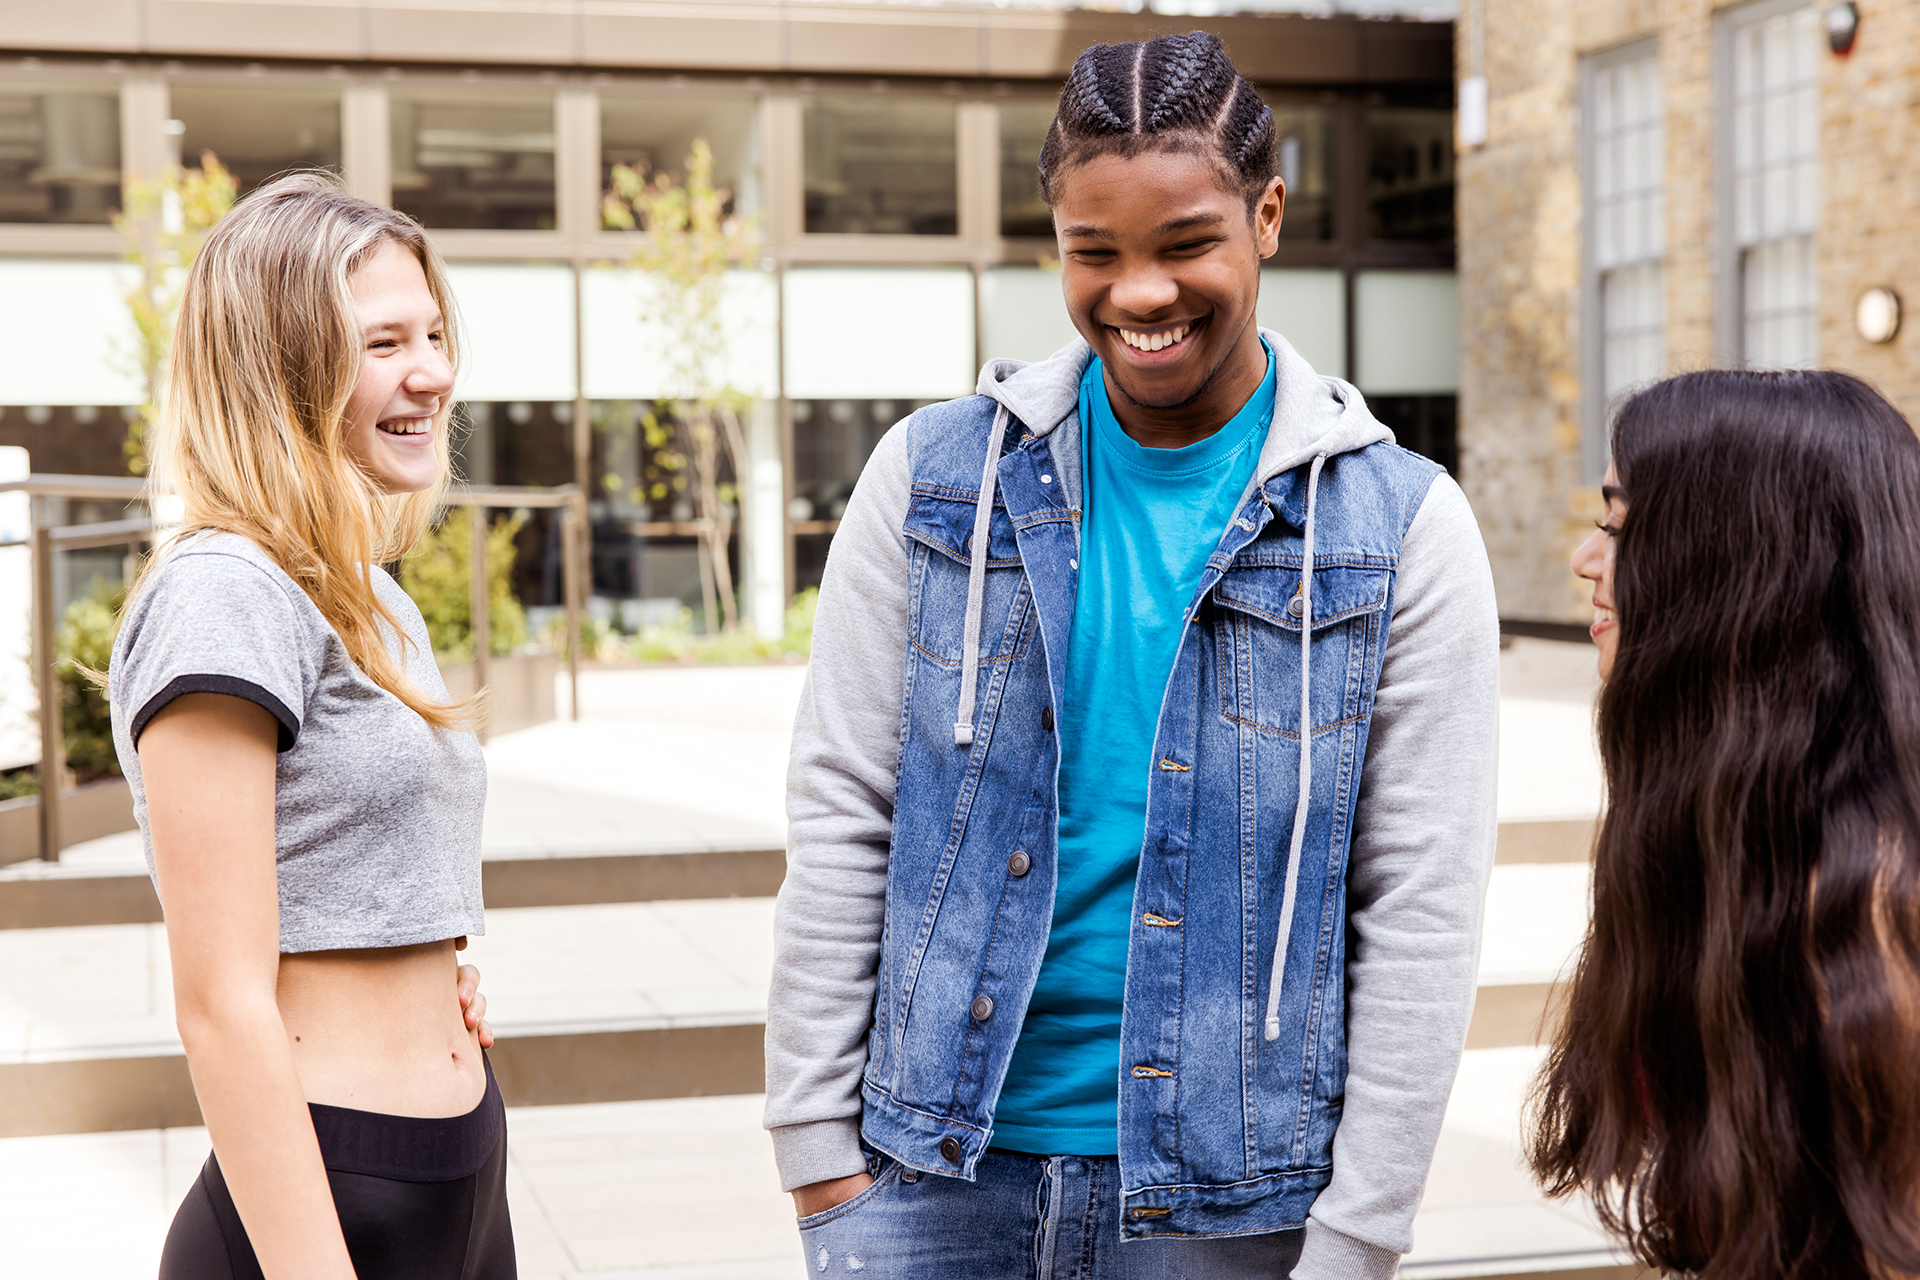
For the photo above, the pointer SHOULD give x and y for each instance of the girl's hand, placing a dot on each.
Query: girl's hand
(472, 1004)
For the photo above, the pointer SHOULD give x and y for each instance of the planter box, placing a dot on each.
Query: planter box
(522, 688)
(98, 809)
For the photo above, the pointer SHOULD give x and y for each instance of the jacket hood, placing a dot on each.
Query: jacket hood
(1313, 414)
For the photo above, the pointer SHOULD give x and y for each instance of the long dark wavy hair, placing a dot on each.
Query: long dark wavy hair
(1736, 1079)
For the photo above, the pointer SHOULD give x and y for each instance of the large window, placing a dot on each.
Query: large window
(882, 164)
(649, 132)
(1410, 173)
(1626, 232)
(473, 158)
(1023, 131)
(59, 153)
(1773, 113)
(258, 131)
(1304, 150)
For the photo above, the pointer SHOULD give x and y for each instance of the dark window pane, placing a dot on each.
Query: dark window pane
(1425, 424)
(881, 164)
(258, 132)
(1023, 128)
(1304, 152)
(832, 440)
(1410, 174)
(82, 440)
(646, 133)
(59, 154)
(467, 159)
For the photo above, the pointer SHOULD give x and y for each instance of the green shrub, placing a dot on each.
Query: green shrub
(676, 641)
(85, 639)
(436, 576)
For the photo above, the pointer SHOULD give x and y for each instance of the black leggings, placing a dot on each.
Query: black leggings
(418, 1200)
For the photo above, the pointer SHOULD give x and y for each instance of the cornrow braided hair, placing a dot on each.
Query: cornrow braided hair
(1170, 93)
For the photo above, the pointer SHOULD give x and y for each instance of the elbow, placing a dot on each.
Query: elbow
(210, 1019)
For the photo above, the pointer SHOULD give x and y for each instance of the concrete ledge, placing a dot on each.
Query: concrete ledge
(92, 1095)
(98, 809)
(1509, 1015)
(63, 900)
(1564, 841)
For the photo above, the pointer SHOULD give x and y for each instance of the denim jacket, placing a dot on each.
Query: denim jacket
(1231, 1091)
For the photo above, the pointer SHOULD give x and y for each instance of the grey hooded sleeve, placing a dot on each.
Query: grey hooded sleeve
(846, 749)
(1416, 886)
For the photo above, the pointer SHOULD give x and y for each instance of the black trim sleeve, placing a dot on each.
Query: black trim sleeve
(233, 686)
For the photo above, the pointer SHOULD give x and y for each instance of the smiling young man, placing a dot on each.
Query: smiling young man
(1141, 799)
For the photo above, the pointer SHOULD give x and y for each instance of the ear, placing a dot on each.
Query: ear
(1267, 210)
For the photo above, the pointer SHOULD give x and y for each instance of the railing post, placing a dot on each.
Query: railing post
(572, 531)
(478, 592)
(47, 677)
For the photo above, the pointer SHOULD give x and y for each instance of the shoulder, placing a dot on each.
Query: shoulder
(1396, 480)
(227, 559)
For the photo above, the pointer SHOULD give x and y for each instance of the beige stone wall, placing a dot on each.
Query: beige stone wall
(1520, 214)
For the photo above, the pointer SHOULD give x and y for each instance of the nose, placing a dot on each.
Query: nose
(1142, 289)
(432, 373)
(1590, 557)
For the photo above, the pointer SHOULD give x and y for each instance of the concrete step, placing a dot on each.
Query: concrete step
(106, 882)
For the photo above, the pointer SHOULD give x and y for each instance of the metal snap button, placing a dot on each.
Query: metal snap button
(1019, 864)
(1297, 606)
(982, 1008)
(950, 1149)
(1046, 718)
(1046, 479)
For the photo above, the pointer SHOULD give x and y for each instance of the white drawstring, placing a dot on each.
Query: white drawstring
(977, 583)
(1306, 760)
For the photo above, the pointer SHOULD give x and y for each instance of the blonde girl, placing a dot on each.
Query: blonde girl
(310, 799)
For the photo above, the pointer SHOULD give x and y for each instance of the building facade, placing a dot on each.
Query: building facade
(883, 155)
(1666, 185)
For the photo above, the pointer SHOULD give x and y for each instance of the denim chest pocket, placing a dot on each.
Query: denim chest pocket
(939, 529)
(1257, 644)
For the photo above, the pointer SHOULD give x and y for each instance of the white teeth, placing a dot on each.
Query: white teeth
(1154, 341)
(407, 426)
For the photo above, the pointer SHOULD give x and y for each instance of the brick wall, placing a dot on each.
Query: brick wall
(1520, 249)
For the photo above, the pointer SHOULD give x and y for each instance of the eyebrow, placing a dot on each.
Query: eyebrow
(401, 326)
(1187, 223)
(1612, 493)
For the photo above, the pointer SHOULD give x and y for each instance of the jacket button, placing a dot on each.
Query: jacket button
(950, 1148)
(982, 1010)
(1046, 718)
(1297, 606)
(1019, 864)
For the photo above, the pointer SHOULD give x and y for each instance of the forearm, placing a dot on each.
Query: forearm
(256, 1114)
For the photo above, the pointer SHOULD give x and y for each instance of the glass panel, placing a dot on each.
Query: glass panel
(1023, 315)
(645, 133)
(59, 153)
(1305, 153)
(646, 555)
(473, 159)
(66, 332)
(1633, 323)
(1776, 114)
(879, 332)
(258, 132)
(80, 440)
(1406, 332)
(1628, 164)
(1428, 425)
(516, 330)
(881, 164)
(832, 440)
(1023, 131)
(1779, 298)
(1308, 309)
(1410, 174)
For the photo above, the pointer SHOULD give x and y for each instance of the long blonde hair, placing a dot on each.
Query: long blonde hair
(266, 353)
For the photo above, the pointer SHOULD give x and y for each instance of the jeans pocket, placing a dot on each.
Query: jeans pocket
(887, 1174)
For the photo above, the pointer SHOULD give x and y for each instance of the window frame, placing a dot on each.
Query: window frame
(1729, 309)
(1593, 337)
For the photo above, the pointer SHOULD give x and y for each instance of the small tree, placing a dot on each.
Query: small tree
(690, 242)
(163, 225)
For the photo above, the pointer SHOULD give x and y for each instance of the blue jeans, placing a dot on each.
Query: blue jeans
(1023, 1218)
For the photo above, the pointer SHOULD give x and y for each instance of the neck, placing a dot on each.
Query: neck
(1230, 385)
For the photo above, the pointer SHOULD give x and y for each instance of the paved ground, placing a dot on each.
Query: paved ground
(694, 759)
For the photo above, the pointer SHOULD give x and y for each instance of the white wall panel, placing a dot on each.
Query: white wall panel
(879, 333)
(1407, 332)
(624, 335)
(517, 327)
(1024, 316)
(65, 335)
(1309, 310)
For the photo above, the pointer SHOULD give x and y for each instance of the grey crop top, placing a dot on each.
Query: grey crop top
(376, 813)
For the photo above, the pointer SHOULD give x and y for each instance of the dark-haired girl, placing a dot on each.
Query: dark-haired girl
(1736, 1081)
(1141, 796)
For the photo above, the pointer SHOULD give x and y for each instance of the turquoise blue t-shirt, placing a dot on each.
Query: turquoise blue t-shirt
(1149, 520)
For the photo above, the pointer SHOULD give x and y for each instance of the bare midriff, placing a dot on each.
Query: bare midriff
(381, 1030)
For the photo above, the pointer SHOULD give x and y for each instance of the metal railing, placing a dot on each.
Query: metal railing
(48, 540)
